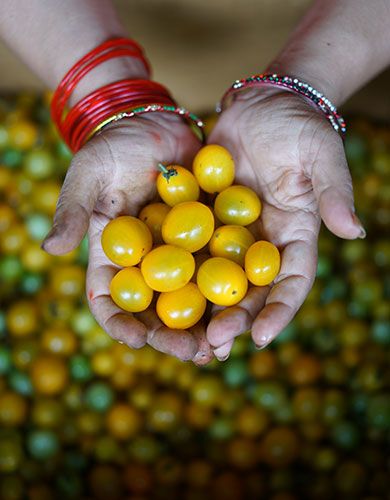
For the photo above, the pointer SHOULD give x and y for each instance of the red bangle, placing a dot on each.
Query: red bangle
(117, 47)
(124, 98)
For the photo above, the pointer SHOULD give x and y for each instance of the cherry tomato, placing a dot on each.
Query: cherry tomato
(231, 242)
(237, 205)
(262, 263)
(129, 290)
(213, 168)
(179, 187)
(222, 281)
(153, 215)
(125, 240)
(167, 268)
(123, 421)
(182, 308)
(189, 225)
(49, 375)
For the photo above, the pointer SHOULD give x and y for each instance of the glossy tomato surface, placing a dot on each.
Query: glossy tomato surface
(181, 308)
(125, 240)
(188, 225)
(231, 242)
(167, 268)
(174, 189)
(213, 167)
(238, 205)
(262, 263)
(153, 216)
(129, 290)
(222, 281)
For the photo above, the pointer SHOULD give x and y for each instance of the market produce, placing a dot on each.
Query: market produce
(82, 416)
(187, 227)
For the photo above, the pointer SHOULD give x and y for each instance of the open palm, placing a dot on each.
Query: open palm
(289, 154)
(114, 174)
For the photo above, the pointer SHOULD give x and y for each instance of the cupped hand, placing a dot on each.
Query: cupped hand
(287, 151)
(114, 174)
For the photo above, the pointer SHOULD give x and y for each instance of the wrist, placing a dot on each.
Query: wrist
(110, 71)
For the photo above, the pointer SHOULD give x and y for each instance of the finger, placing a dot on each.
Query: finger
(232, 321)
(291, 287)
(204, 354)
(74, 208)
(178, 343)
(332, 186)
(222, 353)
(119, 324)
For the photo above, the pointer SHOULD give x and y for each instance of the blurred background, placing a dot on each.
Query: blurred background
(84, 417)
(199, 47)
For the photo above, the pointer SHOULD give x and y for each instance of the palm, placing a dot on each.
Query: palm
(117, 170)
(278, 142)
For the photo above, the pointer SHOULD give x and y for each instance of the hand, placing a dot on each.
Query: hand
(286, 150)
(114, 174)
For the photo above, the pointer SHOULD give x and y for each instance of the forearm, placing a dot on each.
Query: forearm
(51, 35)
(338, 46)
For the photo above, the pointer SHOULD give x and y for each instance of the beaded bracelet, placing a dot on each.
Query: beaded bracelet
(192, 119)
(295, 85)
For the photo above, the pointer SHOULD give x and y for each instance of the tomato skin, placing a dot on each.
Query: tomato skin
(182, 308)
(222, 281)
(167, 268)
(237, 205)
(125, 240)
(179, 187)
(188, 225)
(129, 290)
(262, 263)
(153, 216)
(231, 242)
(213, 167)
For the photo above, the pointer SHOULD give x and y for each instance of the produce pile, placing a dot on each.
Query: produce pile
(82, 416)
(164, 237)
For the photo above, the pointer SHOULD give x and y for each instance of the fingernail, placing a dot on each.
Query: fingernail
(223, 358)
(264, 341)
(49, 235)
(358, 223)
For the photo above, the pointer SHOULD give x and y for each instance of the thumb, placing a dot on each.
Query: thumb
(74, 208)
(332, 186)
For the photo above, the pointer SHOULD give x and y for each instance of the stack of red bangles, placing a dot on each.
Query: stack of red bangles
(117, 100)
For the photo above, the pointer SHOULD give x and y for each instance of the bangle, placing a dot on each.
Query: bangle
(116, 47)
(293, 84)
(194, 122)
(121, 99)
(117, 100)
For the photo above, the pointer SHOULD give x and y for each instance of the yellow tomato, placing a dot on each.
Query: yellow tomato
(167, 268)
(125, 240)
(177, 187)
(182, 308)
(237, 205)
(22, 134)
(213, 168)
(231, 242)
(153, 215)
(129, 290)
(262, 263)
(61, 341)
(189, 225)
(22, 318)
(49, 375)
(34, 259)
(222, 281)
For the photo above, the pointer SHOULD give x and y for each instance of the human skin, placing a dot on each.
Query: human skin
(287, 149)
(282, 145)
(114, 173)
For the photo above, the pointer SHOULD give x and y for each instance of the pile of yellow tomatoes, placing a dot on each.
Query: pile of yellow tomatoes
(82, 416)
(181, 253)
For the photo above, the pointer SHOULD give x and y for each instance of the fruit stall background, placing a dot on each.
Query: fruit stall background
(82, 416)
